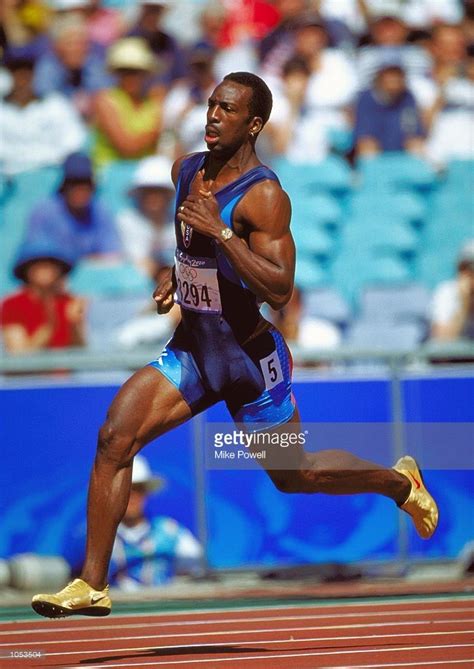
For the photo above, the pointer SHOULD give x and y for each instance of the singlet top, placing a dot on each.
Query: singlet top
(218, 311)
(141, 118)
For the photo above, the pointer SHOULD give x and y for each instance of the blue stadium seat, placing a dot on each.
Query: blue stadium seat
(312, 240)
(114, 183)
(400, 170)
(91, 278)
(106, 314)
(20, 194)
(328, 303)
(385, 336)
(409, 206)
(395, 302)
(309, 272)
(333, 174)
(374, 231)
(460, 175)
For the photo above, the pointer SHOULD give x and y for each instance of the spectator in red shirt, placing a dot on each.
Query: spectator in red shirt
(42, 314)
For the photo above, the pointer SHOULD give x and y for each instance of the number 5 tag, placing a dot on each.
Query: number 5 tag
(271, 370)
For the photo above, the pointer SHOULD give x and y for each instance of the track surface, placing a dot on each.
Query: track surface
(425, 632)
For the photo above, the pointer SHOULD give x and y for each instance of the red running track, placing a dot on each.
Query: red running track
(424, 633)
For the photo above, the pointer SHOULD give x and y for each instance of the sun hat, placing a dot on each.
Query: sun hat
(152, 172)
(131, 53)
(142, 475)
(31, 252)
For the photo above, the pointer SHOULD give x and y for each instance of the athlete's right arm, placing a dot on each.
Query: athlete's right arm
(164, 291)
(166, 286)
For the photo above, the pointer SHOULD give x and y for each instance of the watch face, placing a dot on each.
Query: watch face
(227, 233)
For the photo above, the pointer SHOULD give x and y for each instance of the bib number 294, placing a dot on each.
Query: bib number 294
(197, 286)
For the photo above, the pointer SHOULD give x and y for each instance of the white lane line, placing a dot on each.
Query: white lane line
(275, 657)
(445, 663)
(394, 600)
(49, 625)
(372, 638)
(183, 635)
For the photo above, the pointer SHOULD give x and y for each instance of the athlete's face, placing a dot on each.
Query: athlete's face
(229, 121)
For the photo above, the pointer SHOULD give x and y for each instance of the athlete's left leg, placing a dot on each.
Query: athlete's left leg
(339, 472)
(334, 472)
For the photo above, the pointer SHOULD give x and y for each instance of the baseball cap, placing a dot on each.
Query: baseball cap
(77, 167)
(152, 172)
(31, 252)
(142, 475)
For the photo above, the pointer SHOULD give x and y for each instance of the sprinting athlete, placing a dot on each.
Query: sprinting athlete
(234, 251)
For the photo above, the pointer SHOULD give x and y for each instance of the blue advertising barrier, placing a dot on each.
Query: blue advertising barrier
(48, 437)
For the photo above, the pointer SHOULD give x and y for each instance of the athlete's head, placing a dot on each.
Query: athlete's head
(237, 111)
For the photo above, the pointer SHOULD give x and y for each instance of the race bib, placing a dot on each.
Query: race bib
(197, 287)
(271, 370)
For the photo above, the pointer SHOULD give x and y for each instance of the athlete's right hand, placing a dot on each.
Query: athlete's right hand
(163, 294)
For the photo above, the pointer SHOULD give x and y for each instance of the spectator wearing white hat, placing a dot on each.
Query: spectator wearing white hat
(150, 551)
(146, 227)
(452, 306)
(127, 117)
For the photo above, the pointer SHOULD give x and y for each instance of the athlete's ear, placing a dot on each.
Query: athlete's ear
(256, 126)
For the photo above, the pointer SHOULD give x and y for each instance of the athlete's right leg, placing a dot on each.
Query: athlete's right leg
(146, 406)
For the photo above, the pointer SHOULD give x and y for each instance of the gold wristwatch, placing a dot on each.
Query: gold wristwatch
(226, 234)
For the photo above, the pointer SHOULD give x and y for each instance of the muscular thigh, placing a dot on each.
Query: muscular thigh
(146, 406)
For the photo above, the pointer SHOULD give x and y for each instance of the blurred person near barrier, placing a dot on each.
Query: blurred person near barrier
(234, 251)
(304, 330)
(449, 113)
(74, 219)
(42, 313)
(127, 117)
(386, 116)
(389, 43)
(146, 229)
(163, 45)
(452, 306)
(24, 23)
(73, 65)
(313, 94)
(105, 25)
(150, 550)
(186, 103)
(37, 131)
(357, 14)
(278, 45)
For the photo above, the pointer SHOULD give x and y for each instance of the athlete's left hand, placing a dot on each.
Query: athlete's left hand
(201, 211)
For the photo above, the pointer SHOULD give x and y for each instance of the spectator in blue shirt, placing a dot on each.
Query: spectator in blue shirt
(74, 219)
(164, 46)
(387, 118)
(72, 65)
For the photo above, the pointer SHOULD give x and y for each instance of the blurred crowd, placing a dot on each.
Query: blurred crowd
(89, 83)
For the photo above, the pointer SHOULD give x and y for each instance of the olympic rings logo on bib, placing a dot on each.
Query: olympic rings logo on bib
(197, 286)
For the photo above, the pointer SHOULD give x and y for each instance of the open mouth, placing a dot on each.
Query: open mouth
(211, 136)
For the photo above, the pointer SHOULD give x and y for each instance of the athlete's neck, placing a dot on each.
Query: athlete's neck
(239, 162)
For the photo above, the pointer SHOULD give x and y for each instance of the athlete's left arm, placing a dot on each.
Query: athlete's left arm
(267, 263)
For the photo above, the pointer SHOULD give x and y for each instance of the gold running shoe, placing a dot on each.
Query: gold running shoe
(419, 504)
(77, 598)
